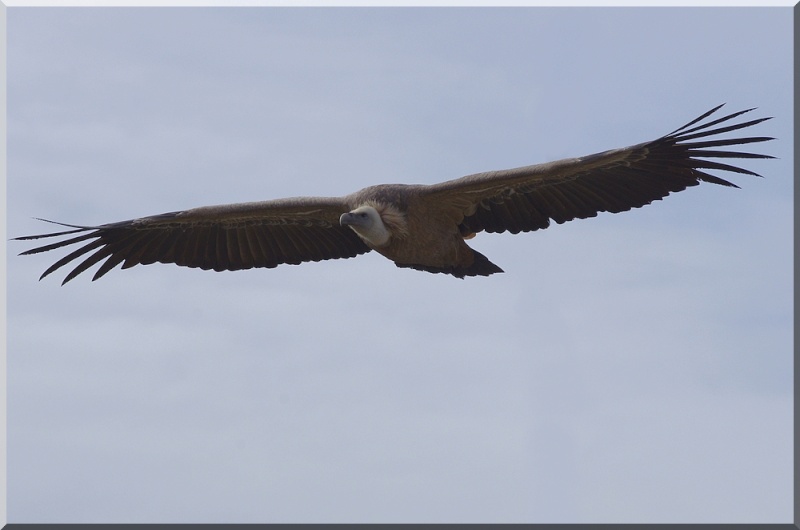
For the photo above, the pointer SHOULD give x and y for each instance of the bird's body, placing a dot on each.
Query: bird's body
(424, 227)
(422, 237)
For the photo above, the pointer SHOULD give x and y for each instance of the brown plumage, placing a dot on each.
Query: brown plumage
(418, 226)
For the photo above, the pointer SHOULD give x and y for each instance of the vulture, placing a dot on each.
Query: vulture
(423, 227)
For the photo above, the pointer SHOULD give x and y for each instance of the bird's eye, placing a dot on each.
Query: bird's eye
(363, 215)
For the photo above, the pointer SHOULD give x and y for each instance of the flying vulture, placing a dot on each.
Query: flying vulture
(423, 227)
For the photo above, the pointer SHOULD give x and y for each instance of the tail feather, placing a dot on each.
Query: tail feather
(481, 266)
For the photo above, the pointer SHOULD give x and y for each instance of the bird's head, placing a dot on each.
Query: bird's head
(367, 223)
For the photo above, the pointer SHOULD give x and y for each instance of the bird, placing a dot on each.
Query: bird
(419, 226)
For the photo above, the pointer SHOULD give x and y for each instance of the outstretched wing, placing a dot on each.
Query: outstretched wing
(527, 198)
(227, 237)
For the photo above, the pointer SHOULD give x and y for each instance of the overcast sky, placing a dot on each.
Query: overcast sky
(627, 368)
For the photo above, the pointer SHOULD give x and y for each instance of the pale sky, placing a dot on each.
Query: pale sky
(631, 368)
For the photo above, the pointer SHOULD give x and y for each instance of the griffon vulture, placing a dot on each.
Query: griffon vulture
(423, 227)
